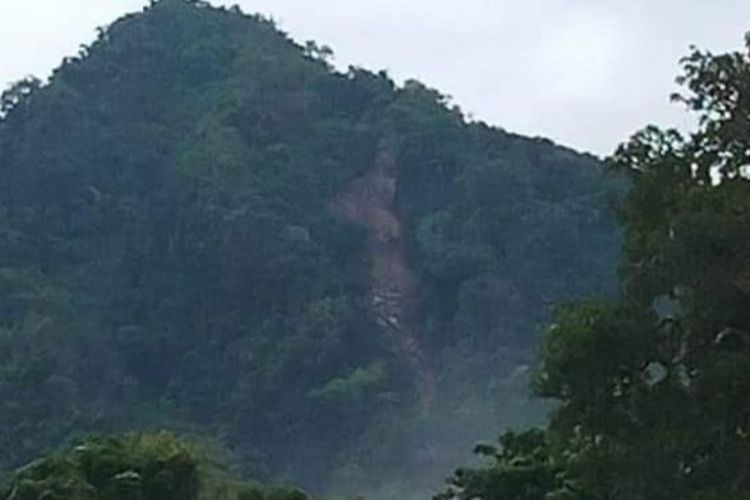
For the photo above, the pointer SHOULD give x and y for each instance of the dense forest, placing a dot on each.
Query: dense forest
(333, 279)
(323, 277)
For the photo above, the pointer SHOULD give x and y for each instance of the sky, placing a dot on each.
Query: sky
(584, 73)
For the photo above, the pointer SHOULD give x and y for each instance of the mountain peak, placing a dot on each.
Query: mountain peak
(203, 218)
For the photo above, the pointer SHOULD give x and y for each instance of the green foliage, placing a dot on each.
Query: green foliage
(133, 467)
(353, 385)
(519, 470)
(168, 252)
(170, 257)
(522, 468)
(652, 389)
(143, 467)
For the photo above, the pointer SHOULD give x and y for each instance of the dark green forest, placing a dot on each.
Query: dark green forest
(326, 278)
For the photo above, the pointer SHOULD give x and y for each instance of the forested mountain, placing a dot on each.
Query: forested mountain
(206, 227)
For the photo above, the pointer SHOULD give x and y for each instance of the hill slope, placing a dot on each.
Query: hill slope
(204, 226)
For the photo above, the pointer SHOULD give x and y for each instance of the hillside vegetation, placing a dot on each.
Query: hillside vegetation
(174, 254)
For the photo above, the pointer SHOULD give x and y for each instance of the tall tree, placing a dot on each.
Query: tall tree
(653, 389)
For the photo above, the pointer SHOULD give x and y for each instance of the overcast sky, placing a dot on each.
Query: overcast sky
(585, 73)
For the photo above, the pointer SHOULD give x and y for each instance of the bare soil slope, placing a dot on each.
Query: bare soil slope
(369, 200)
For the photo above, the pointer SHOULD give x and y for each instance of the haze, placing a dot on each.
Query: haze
(585, 73)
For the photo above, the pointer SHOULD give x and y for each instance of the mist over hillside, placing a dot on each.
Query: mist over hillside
(205, 227)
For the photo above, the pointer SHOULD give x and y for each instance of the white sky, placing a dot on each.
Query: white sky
(585, 73)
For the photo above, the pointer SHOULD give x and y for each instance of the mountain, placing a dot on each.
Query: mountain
(206, 227)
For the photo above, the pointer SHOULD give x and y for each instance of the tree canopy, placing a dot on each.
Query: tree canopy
(134, 467)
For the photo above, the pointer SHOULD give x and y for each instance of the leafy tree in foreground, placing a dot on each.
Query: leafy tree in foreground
(653, 390)
(522, 468)
(133, 467)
